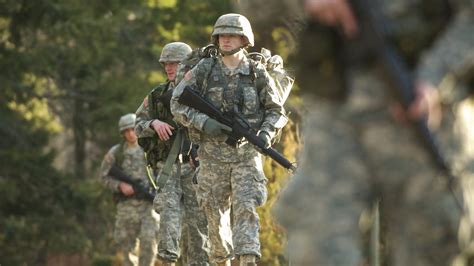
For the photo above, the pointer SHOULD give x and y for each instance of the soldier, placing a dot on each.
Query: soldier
(136, 221)
(176, 203)
(231, 182)
(448, 67)
(355, 150)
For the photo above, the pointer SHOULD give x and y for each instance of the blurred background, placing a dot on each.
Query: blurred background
(68, 71)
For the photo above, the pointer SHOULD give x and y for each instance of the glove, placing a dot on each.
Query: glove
(214, 128)
(265, 137)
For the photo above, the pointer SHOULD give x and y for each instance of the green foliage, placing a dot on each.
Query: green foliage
(70, 69)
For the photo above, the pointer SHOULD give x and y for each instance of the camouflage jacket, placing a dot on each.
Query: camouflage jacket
(249, 88)
(151, 109)
(132, 163)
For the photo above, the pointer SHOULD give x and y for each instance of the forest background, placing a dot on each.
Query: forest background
(68, 70)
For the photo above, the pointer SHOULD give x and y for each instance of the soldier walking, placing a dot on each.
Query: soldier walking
(136, 224)
(231, 182)
(176, 202)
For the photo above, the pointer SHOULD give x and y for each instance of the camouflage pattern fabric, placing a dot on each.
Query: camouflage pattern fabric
(238, 186)
(177, 205)
(450, 66)
(231, 176)
(355, 154)
(136, 221)
(144, 117)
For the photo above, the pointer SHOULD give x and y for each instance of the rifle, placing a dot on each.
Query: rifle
(240, 126)
(141, 190)
(403, 82)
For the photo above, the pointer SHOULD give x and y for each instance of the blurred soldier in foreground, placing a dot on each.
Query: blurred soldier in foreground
(358, 150)
(176, 203)
(449, 68)
(136, 222)
(231, 182)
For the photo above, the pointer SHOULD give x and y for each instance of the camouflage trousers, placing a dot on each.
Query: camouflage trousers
(178, 207)
(229, 193)
(457, 139)
(351, 160)
(136, 232)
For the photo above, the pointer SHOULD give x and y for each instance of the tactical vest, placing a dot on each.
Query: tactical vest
(156, 149)
(213, 86)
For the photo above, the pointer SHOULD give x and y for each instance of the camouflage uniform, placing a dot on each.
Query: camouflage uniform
(136, 221)
(354, 153)
(176, 203)
(450, 66)
(231, 177)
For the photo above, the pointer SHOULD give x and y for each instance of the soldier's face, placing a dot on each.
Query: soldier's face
(171, 68)
(130, 135)
(229, 42)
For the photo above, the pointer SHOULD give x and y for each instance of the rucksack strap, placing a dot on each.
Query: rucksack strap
(152, 98)
(167, 169)
(118, 154)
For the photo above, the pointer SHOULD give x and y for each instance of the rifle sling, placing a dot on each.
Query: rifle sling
(167, 169)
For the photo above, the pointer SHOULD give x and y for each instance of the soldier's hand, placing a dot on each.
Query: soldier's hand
(126, 189)
(426, 105)
(334, 13)
(214, 128)
(191, 161)
(162, 129)
(266, 139)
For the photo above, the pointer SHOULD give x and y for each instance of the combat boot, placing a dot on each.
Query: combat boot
(247, 260)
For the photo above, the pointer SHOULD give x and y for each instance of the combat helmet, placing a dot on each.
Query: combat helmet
(174, 52)
(127, 121)
(233, 24)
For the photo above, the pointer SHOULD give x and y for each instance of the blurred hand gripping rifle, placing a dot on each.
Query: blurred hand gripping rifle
(142, 191)
(374, 27)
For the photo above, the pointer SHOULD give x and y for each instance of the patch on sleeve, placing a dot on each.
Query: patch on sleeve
(145, 102)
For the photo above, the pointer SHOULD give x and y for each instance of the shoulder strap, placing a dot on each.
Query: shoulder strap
(118, 154)
(256, 75)
(152, 98)
(204, 72)
(167, 169)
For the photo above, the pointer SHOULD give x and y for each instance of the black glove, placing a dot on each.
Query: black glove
(214, 128)
(266, 139)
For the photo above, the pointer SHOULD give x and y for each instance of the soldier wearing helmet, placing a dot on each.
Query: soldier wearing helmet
(176, 202)
(136, 221)
(348, 164)
(233, 24)
(231, 175)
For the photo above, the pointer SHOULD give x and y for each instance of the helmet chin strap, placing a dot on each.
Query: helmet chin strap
(231, 52)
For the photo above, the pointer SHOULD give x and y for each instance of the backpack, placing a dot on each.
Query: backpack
(273, 64)
(154, 148)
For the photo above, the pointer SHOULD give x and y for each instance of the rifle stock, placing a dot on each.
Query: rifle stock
(141, 191)
(240, 127)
